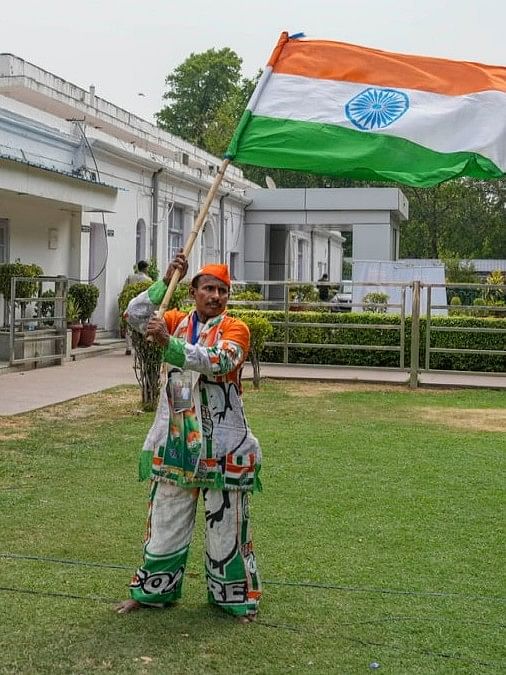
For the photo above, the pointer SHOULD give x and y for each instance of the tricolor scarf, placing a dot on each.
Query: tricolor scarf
(182, 428)
(176, 449)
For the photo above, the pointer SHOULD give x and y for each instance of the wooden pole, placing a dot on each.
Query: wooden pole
(197, 226)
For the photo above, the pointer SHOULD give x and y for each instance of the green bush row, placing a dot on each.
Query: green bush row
(360, 335)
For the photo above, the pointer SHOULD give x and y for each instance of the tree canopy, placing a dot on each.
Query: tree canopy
(196, 90)
(461, 218)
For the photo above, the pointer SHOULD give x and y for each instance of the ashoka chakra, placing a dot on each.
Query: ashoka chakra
(376, 108)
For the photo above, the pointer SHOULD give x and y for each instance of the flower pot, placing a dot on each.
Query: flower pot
(88, 334)
(76, 334)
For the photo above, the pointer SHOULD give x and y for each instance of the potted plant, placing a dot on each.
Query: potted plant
(24, 289)
(303, 293)
(73, 322)
(86, 297)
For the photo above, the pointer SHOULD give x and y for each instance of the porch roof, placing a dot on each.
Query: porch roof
(24, 177)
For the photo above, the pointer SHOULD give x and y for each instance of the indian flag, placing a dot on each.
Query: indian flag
(346, 111)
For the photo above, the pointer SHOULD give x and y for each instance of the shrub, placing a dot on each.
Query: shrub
(24, 289)
(45, 310)
(303, 293)
(73, 310)
(147, 355)
(460, 271)
(249, 297)
(86, 297)
(495, 295)
(153, 270)
(360, 335)
(455, 302)
(375, 302)
(260, 331)
(127, 294)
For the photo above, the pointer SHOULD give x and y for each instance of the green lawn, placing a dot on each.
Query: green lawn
(379, 534)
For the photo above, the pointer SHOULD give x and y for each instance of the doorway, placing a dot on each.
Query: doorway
(97, 269)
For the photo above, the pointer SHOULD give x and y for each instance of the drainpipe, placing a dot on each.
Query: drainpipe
(222, 227)
(155, 190)
(311, 276)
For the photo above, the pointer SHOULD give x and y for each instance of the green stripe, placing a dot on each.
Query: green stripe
(243, 123)
(346, 153)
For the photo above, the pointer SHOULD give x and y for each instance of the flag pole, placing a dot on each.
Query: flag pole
(197, 226)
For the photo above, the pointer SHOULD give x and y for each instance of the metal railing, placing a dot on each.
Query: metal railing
(41, 337)
(467, 309)
(421, 303)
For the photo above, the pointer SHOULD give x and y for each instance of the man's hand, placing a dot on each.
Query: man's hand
(157, 330)
(179, 263)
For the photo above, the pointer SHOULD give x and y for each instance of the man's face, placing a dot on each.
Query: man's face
(211, 296)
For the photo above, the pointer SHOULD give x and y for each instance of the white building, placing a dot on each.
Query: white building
(87, 189)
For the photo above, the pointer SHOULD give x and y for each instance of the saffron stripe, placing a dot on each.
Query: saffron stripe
(340, 61)
(335, 151)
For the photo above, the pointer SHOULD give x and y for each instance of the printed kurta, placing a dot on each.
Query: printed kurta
(209, 445)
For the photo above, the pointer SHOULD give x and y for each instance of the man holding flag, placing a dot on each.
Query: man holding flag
(321, 107)
(199, 441)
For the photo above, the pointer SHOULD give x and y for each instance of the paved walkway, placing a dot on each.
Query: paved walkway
(32, 389)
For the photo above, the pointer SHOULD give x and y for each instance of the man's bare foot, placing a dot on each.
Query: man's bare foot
(127, 606)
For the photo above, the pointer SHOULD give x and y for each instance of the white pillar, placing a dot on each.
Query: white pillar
(373, 241)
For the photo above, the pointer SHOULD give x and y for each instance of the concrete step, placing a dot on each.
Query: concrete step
(103, 334)
(100, 346)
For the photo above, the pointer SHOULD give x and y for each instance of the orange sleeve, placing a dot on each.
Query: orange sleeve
(173, 318)
(236, 331)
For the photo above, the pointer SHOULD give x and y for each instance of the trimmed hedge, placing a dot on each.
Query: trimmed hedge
(371, 336)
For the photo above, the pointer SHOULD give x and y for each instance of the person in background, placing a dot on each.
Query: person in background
(134, 278)
(324, 290)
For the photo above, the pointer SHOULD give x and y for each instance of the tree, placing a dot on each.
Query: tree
(461, 218)
(208, 96)
(260, 331)
(220, 130)
(147, 355)
(196, 90)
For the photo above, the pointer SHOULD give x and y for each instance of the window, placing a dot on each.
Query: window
(140, 240)
(4, 240)
(322, 269)
(234, 264)
(301, 258)
(176, 230)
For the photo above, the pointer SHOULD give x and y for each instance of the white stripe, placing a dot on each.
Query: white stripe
(469, 123)
(261, 84)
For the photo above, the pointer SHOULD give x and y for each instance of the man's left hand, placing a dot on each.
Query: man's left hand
(157, 330)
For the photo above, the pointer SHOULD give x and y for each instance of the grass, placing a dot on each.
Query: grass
(379, 538)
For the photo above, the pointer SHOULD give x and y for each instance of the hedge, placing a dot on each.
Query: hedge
(371, 336)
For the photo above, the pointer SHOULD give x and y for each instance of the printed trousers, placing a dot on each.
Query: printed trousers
(233, 582)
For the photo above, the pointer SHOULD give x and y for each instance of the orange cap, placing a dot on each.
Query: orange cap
(217, 270)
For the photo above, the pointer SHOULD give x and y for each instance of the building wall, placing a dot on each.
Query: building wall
(44, 151)
(38, 233)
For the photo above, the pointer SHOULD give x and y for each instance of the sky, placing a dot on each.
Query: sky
(126, 49)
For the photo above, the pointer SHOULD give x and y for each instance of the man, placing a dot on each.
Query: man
(205, 446)
(140, 275)
(323, 290)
